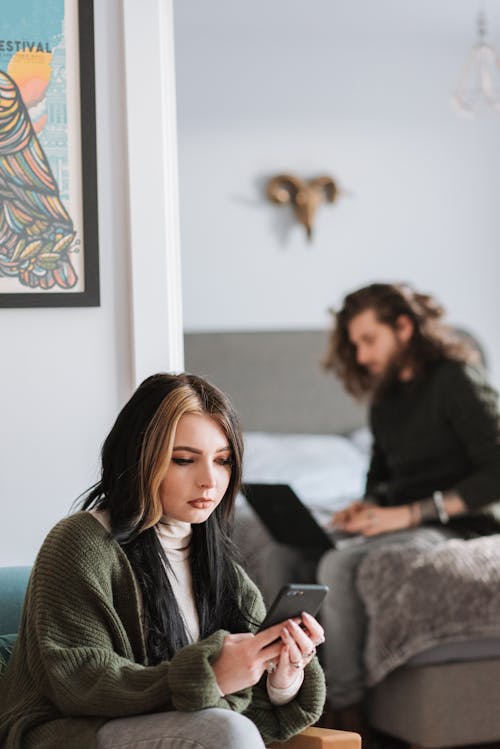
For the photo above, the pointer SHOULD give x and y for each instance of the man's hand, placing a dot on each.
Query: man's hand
(347, 515)
(370, 520)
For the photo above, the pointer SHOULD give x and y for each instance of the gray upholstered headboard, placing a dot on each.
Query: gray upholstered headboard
(275, 380)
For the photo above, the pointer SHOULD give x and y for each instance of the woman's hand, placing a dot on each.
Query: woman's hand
(370, 520)
(298, 649)
(244, 658)
(282, 649)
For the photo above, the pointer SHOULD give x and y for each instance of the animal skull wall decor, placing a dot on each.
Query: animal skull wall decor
(304, 195)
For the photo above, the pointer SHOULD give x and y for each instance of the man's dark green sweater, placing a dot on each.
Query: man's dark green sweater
(80, 658)
(440, 431)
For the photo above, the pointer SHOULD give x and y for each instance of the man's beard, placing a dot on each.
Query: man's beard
(385, 382)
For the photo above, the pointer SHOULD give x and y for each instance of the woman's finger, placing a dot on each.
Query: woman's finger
(314, 628)
(270, 652)
(302, 640)
(272, 665)
(292, 653)
(268, 635)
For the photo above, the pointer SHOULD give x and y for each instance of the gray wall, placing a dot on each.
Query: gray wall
(275, 380)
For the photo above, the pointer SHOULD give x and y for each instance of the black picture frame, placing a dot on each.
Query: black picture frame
(90, 296)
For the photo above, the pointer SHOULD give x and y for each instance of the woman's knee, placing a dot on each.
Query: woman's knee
(213, 728)
(234, 730)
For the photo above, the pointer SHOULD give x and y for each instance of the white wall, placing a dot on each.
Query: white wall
(311, 88)
(66, 372)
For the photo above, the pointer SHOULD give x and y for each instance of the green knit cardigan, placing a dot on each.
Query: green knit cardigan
(80, 658)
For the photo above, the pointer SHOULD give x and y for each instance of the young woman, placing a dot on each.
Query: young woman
(138, 626)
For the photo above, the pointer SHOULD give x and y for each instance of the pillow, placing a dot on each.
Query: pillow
(6, 645)
(325, 470)
(363, 439)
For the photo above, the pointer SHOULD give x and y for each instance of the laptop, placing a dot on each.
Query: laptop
(290, 522)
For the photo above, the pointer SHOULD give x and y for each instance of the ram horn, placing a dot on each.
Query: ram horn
(304, 196)
(328, 186)
(283, 188)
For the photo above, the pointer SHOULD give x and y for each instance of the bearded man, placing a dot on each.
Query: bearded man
(435, 463)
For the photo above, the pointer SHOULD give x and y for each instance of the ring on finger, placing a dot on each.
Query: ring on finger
(311, 653)
(297, 664)
(271, 667)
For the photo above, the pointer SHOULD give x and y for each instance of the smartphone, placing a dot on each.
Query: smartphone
(292, 600)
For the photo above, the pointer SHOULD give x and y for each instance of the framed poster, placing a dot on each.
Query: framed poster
(48, 178)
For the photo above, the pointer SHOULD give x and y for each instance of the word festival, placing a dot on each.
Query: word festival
(9, 45)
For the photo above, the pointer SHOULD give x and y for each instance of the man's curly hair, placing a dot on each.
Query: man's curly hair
(431, 341)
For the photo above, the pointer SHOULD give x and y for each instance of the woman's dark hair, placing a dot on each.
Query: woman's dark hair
(431, 340)
(135, 457)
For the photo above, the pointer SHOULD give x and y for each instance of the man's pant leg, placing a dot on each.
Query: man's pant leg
(343, 614)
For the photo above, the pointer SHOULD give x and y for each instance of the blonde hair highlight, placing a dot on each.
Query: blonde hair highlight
(157, 447)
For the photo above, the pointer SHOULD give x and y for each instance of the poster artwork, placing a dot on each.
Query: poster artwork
(40, 166)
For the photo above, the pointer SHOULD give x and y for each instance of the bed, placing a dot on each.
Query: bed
(301, 428)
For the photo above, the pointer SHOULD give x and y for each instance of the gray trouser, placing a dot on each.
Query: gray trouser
(343, 615)
(206, 729)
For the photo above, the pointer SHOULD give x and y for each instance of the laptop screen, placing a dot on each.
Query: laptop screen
(287, 519)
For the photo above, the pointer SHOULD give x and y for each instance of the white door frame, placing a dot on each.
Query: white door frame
(155, 266)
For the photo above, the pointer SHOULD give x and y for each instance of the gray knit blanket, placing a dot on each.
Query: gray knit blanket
(420, 597)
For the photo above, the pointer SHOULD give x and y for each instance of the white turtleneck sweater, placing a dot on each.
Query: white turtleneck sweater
(175, 538)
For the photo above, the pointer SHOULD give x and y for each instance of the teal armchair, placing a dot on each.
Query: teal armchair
(13, 582)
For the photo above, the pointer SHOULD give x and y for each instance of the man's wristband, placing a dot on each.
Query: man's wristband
(438, 499)
(428, 510)
(433, 509)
